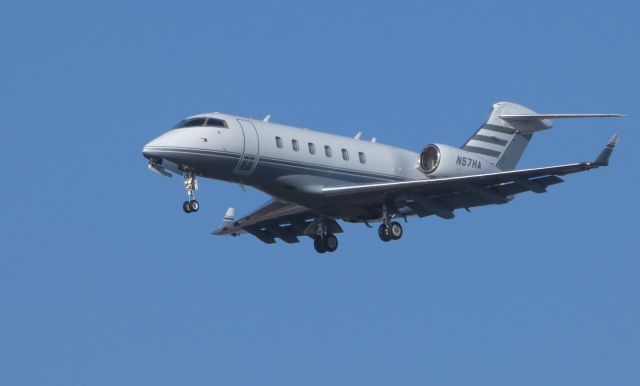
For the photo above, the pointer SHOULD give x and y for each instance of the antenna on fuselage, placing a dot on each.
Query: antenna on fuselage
(358, 135)
(267, 118)
(374, 140)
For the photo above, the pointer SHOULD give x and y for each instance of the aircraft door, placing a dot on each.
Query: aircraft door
(249, 157)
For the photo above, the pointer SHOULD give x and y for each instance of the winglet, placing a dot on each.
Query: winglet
(228, 218)
(605, 154)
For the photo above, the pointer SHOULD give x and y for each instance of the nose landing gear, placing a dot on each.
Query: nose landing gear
(191, 185)
(190, 206)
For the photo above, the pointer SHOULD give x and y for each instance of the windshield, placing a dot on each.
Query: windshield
(196, 122)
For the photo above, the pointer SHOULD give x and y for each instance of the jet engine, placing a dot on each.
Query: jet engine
(439, 161)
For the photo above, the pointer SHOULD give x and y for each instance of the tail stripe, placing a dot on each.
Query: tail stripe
(485, 145)
(499, 129)
(490, 139)
(481, 150)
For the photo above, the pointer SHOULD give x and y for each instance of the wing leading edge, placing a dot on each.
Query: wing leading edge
(440, 196)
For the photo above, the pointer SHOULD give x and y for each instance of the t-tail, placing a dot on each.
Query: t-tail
(505, 135)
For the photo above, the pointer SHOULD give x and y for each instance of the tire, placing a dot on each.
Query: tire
(331, 243)
(186, 207)
(319, 245)
(383, 233)
(395, 230)
(194, 206)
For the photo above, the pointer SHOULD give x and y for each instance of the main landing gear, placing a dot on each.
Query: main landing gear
(389, 230)
(324, 240)
(327, 243)
(190, 185)
(393, 231)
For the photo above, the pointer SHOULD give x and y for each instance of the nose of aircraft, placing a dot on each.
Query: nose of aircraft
(150, 151)
(146, 153)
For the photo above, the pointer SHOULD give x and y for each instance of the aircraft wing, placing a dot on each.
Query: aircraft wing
(278, 219)
(441, 196)
(287, 221)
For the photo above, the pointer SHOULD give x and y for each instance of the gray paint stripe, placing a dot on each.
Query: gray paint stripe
(279, 162)
(193, 150)
(481, 150)
(330, 169)
(326, 173)
(320, 167)
(499, 129)
(488, 139)
(219, 155)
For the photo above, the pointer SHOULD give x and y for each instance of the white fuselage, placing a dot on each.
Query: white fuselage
(289, 163)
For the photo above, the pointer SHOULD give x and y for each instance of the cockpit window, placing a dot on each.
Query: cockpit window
(215, 122)
(193, 122)
(197, 122)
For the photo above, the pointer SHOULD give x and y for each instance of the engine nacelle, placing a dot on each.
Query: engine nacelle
(438, 161)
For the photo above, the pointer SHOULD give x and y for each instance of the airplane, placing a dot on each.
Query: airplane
(315, 178)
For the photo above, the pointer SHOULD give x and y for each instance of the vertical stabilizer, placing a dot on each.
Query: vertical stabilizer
(504, 139)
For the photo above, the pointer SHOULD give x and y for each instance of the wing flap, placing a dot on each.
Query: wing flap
(261, 234)
(470, 198)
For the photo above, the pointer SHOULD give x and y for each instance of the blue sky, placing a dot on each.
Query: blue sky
(104, 281)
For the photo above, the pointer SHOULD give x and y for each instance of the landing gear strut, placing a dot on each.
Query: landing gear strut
(389, 230)
(190, 185)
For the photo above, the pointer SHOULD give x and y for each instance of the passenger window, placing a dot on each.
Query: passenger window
(215, 122)
(363, 159)
(327, 151)
(295, 145)
(279, 142)
(312, 148)
(345, 155)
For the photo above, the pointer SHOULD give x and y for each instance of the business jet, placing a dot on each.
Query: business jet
(316, 178)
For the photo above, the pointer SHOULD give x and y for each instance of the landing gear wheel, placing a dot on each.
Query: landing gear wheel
(331, 243)
(395, 230)
(194, 206)
(186, 207)
(383, 232)
(319, 245)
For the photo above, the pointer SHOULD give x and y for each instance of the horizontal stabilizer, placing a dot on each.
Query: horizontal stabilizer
(529, 117)
(605, 154)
